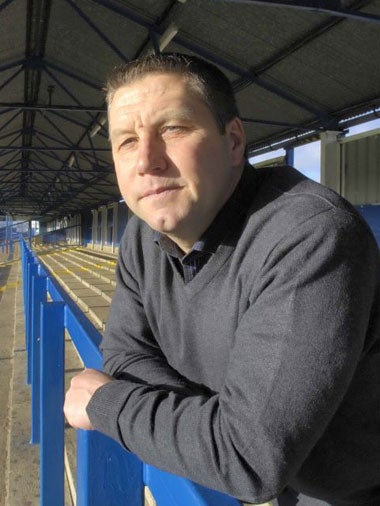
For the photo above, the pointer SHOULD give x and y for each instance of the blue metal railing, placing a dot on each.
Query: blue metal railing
(105, 473)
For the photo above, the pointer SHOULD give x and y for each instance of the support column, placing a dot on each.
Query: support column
(103, 241)
(331, 170)
(289, 157)
(8, 234)
(94, 228)
(30, 234)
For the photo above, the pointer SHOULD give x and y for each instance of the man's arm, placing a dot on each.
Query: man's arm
(308, 327)
(129, 348)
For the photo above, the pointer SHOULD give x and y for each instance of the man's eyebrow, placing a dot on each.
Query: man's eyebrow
(117, 132)
(185, 114)
(177, 113)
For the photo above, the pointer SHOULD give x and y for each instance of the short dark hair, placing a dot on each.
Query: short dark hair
(204, 78)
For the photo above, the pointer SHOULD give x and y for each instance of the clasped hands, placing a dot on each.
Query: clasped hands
(83, 387)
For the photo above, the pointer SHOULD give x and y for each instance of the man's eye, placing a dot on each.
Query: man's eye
(127, 142)
(174, 128)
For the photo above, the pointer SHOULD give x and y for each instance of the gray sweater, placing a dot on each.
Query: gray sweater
(264, 370)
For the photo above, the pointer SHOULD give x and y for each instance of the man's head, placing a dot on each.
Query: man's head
(204, 79)
(177, 159)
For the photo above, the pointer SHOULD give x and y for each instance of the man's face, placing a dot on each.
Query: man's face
(174, 168)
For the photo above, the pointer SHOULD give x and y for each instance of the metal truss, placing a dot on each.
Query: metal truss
(55, 156)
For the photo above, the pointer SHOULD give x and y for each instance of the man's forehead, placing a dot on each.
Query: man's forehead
(157, 82)
(158, 98)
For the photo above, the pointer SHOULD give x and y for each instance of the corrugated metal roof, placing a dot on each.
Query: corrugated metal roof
(295, 69)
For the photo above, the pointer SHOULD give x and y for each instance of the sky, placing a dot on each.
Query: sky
(307, 157)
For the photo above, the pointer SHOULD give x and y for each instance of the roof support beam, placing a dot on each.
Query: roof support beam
(10, 65)
(9, 134)
(40, 156)
(87, 158)
(294, 46)
(10, 120)
(86, 186)
(54, 154)
(64, 88)
(5, 167)
(43, 148)
(12, 159)
(37, 22)
(275, 123)
(46, 169)
(330, 7)
(93, 150)
(4, 111)
(92, 25)
(39, 136)
(56, 128)
(14, 179)
(73, 75)
(252, 78)
(56, 107)
(246, 74)
(10, 79)
(70, 120)
(128, 13)
(69, 175)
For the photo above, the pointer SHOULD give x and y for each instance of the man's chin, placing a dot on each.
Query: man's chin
(163, 226)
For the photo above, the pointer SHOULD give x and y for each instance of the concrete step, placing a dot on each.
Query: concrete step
(86, 267)
(101, 264)
(92, 294)
(99, 253)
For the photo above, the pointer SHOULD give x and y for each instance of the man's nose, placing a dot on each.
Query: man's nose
(151, 155)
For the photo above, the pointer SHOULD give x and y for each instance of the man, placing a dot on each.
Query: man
(242, 348)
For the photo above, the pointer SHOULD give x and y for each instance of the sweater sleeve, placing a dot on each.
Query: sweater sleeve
(295, 352)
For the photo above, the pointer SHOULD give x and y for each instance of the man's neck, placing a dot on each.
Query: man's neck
(187, 242)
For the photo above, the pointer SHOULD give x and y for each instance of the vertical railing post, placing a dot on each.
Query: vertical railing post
(26, 255)
(24, 259)
(32, 271)
(38, 296)
(107, 474)
(25, 282)
(52, 398)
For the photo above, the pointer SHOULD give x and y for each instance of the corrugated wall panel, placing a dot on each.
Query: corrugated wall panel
(361, 169)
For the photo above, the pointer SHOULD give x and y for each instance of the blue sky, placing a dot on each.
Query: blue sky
(307, 157)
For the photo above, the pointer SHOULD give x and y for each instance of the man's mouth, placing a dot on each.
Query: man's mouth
(162, 191)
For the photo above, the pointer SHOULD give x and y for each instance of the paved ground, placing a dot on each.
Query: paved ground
(19, 460)
(4, 274)
(23, 458)
(7, 306)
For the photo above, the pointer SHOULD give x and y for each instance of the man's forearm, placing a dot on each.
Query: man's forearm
(151, 370)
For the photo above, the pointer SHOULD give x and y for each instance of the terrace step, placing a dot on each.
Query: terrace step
(88, 280)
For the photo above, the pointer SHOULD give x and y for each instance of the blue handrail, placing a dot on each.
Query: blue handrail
(106, 473)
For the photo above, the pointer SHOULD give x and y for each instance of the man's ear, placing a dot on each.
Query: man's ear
(235, 136)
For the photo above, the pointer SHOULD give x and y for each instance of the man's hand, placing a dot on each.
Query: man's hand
(82, 388)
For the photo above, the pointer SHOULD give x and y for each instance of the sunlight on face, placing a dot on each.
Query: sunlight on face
(175, 169)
